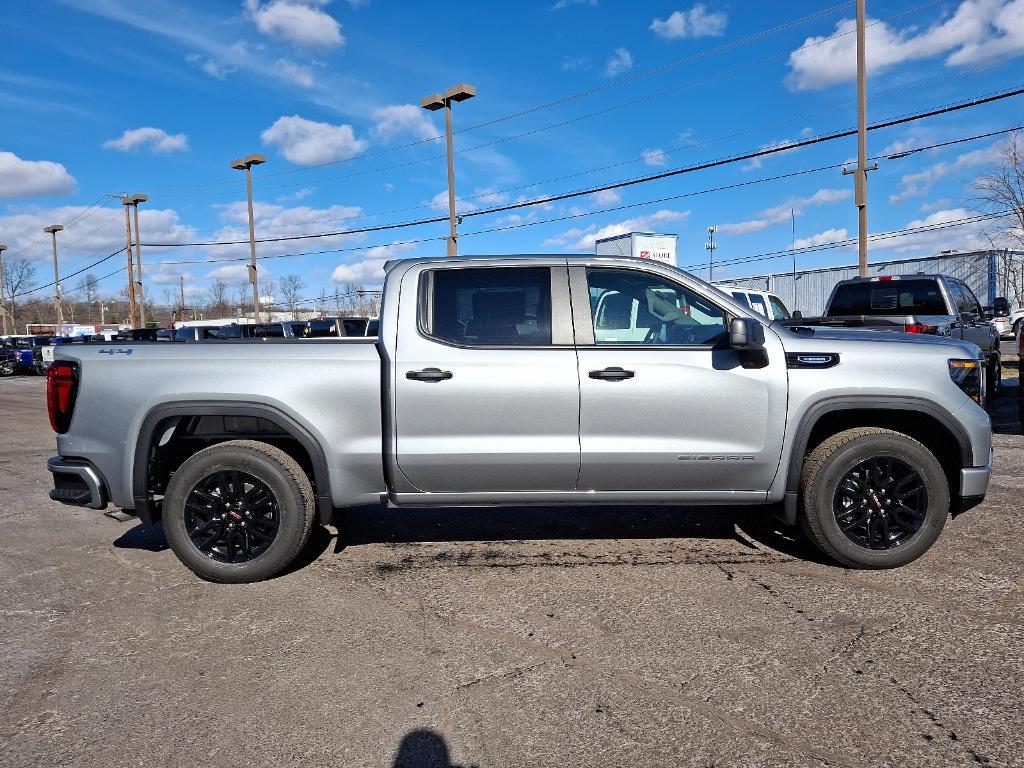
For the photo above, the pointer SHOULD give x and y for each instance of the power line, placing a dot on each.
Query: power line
(68, 276)
(706, 165)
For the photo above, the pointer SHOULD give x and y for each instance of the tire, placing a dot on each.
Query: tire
(236, 496)
(826, 475)
(6, 369)
(994, 376)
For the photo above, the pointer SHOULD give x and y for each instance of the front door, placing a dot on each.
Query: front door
(664, 404)
(486, 388)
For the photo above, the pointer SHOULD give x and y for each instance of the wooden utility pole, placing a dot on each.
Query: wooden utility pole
(133, 317)
(181, 294)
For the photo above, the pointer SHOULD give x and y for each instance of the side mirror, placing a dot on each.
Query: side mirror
(797, 315)
(1001, 307)
(746, 333)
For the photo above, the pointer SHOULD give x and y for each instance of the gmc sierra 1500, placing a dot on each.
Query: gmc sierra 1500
(527, 380)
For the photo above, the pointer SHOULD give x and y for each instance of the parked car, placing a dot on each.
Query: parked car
(1002, 319)
(492, 383)
(197, 333)
(763, 302)
(6, 366)
(931, 305)
(22, 355)
(335, 326)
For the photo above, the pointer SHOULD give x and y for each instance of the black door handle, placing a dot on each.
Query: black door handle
(428, 374)
(612, 374)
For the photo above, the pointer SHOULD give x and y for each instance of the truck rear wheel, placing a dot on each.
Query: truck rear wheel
(873, 498)
(238, 512)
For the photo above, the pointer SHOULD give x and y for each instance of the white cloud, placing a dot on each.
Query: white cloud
(371, 269)
(756, 163)
(653, 156)
(902, 145)
(299, 194)
(403, 119)
(620, 61)
(572, 63)
(296, 73)
(583, 239)
(280, 221)
(696, 22)
(964, 237)
(21, 179)
(822, 238)
(307, 142)
(783, 211)
(296, 21)
(93, 235)
(935, 205)
(920, 183)
(978, 30)
(566, 3)
(439, 202)
(155, 139)
(606, 197)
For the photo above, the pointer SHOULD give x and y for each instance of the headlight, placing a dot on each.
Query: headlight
(967, 374)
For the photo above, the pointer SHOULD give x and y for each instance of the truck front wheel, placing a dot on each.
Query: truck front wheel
(238, 512)
(873, 498)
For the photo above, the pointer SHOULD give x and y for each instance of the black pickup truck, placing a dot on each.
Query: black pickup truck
(936, 305)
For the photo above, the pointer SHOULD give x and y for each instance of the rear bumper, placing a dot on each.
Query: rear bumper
(77, 482)
(974, 480)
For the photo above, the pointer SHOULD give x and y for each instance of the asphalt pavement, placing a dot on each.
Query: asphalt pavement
(619, 636)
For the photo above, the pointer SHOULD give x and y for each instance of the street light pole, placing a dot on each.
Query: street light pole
(52, 230)
(860, 178)
(437, 101)
(246, 164)
(133, 312)
(140, 301)
(3, 306)
(710, 248)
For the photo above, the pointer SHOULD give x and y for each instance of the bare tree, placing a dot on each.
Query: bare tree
(19, 276)
(1001, 191)
(89, 288)
(218, 295)
(290, 287)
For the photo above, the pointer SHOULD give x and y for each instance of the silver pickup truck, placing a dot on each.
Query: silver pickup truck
(527, 380)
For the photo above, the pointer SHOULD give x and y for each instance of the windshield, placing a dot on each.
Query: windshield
(890, 297)
(779, 311)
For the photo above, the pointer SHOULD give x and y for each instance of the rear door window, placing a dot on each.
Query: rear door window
(490, 307)
(757, 304)
(779, 311)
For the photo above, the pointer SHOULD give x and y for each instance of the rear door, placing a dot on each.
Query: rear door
(666, 405)
(974, 327)
(486, 387)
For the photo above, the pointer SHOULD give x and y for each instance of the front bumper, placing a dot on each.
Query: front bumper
(77, 483)
(974, 480)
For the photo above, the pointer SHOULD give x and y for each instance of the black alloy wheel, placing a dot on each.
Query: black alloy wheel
(232, 516)
(881, 503)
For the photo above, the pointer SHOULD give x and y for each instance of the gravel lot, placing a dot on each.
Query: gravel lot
(519, 637)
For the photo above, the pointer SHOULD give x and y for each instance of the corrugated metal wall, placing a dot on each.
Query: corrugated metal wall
(979, 269)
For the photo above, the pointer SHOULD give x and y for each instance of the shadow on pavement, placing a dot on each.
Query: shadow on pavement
(423, 748)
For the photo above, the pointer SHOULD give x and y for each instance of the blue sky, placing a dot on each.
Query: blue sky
(103, 96)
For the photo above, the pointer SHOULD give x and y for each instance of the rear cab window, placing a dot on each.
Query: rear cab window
(494, 306)
(779, 311)
(888, 297)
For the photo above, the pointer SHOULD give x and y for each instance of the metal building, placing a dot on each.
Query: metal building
(988, 273)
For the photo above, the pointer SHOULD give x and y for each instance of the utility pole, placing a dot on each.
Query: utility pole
(246, 164)
(710, 248)
(133, 313)
(460, 92)
(3, 306)
(860, 180)
(792, 216)
(181, 296)
(52, 230)
(140, 301)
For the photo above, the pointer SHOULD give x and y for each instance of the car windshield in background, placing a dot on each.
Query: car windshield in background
(779, 311)
(890, 297)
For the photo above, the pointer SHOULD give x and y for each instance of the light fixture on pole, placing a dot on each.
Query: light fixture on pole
(52, 230)
(246, 164)
(710, 246)
(3, 306)
(140, 303)
(437, 101)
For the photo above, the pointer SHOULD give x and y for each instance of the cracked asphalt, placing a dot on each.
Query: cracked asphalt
(516, 637)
